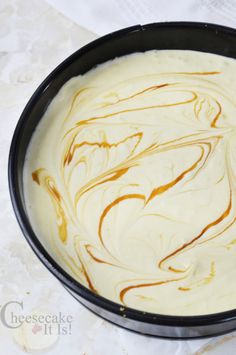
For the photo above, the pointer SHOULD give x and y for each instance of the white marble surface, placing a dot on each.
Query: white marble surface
(34, 38)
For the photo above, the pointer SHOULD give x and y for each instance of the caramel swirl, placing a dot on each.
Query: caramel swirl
(130, 181)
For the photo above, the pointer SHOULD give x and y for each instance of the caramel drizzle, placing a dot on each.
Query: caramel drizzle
(74, 102)
(71, 152)
(150, 88)
(90, 284)
(111, 205)
(198, 107)
(154, 193)
(197, 73)
(206, 280)
(161, 189)
(184, 288)
(87, 247)
(178, 103)
(224, 215)
(49, 185)
(157, 283)
(90, 120)
(86, 273)
(171, 268)
(214, 121)
(98, 260)
(122, 168)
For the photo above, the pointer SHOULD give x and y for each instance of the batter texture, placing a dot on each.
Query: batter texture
(130, 181)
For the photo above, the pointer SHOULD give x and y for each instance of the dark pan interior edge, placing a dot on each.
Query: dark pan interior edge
(16, 195)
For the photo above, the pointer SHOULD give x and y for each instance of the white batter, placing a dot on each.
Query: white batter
(130, 181)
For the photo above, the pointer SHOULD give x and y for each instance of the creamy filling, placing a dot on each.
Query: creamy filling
(129, 181)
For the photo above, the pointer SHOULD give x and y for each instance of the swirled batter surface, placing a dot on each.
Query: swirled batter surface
(130, 181)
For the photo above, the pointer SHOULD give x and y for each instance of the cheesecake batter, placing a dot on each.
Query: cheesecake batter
(130, 181)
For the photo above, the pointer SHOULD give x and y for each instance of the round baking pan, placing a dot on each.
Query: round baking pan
(173, 35)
